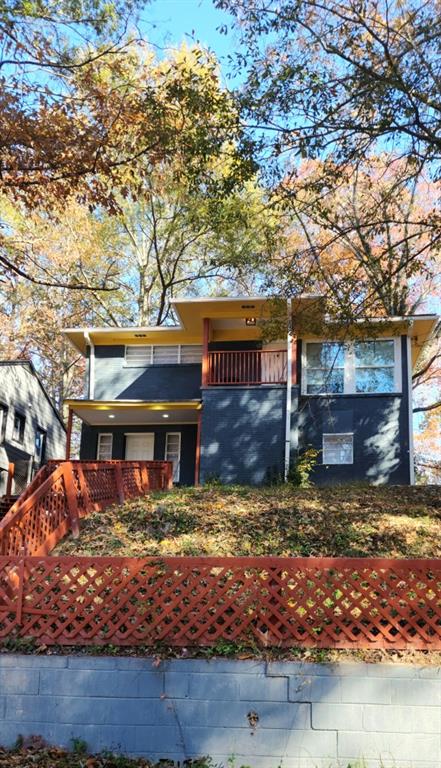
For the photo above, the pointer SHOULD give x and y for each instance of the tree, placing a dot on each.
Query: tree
(343, 78)
(179, 242)
(80, 120)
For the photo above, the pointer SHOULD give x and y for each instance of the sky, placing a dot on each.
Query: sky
(167, 23)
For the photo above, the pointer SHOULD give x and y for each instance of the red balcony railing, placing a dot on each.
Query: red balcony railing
(247, 367)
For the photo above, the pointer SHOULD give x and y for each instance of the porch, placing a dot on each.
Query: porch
(147, 431)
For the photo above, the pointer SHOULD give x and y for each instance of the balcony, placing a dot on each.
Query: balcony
(247, 367)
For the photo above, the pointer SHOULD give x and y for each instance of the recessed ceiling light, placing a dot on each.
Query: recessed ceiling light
(165, 415)
(111, 415)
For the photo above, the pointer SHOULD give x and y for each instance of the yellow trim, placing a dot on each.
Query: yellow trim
(112, 405)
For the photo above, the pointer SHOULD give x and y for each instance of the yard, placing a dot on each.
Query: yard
(357, 521)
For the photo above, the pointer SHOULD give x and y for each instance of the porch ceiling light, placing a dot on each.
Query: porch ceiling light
(111, 415)
(165, 415)
(250, 321)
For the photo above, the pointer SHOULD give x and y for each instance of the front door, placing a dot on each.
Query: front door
(140, 446)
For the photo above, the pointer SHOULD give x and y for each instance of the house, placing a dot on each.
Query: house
(31, 429)
(220, 401)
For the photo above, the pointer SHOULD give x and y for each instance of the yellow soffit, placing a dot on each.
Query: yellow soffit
(112, 405)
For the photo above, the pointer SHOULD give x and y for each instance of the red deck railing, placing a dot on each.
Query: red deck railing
(65, 491)
(189, 601)
(247, 367)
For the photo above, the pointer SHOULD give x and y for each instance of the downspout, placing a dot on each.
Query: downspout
(288, 392)
(410, 407)
(91, 388)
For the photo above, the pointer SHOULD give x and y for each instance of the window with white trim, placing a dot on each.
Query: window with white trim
(104, 447)
(325, 363)
(353, 367)
(173, 452)
(338, 448)
(3, 421)
(18, 430)
(374, 366)
(143, 355)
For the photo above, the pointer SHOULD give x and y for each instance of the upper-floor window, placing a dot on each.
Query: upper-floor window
(3, 421)
(19, 427)
(355, 367)
(40, 444)
(141, 356)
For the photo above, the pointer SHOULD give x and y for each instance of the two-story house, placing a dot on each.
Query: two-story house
(211, 395)
(31, 429)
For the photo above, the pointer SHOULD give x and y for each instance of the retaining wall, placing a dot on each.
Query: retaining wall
(293, 715)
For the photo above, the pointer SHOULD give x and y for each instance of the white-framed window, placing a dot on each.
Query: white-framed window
(190, 353)
(173, 452)
(338, 448)
(374, 365)
(143, 355)
(3, 421)
(325, 363)
(18, 430)
(138, 355)
(353, 367)
(104, 447)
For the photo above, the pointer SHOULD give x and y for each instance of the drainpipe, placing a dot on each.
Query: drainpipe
(410, 406)
(91, 388)
(288, 392)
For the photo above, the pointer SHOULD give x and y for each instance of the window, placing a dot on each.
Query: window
(3, 421)
(191, 353)
(173, 452)
(325, 368)
(374, 366)
(19, 427)
(104, 449)
(355, 367)
(166, 355)
(338, 449)
(140, 356)
(40, 445)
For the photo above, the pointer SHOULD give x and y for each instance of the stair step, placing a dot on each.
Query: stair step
(6, 503)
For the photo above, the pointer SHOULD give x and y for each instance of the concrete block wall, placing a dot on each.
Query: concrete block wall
(293, 715)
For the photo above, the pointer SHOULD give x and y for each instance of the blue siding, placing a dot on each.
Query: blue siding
(114, 381)
(243, 433)
(380, 424)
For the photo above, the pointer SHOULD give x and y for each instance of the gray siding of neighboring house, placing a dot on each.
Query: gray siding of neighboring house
(89, 442)
(116, 381)
(243, 433)
(380, 424)
(20, 391)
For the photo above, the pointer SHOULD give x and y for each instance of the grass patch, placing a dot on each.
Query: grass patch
(349, 521)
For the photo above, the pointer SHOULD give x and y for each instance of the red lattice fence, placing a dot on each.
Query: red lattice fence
(185, 601)
(65, 491)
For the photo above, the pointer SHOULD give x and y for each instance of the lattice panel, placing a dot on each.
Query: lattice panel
(36, 523)
(101, 483)
(282, 602)
(55, 501)
(132, 480)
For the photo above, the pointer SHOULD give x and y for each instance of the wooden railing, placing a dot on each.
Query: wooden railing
(247, 367)
(188, 601)
(65, 491)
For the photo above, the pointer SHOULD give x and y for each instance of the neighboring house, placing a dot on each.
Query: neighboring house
(31, 430)
(211, 396)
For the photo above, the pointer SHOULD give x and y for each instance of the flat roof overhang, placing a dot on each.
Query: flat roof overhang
(112, 413)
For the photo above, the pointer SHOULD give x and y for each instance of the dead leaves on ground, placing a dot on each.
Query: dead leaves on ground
(357, 521)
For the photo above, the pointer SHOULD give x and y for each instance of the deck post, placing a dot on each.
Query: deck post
(69, 433)
(197, 466)
(11, 472)
(205, 361)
